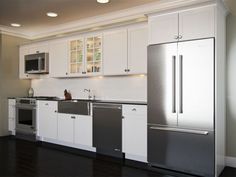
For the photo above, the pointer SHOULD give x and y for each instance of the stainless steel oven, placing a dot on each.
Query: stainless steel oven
(26, 116)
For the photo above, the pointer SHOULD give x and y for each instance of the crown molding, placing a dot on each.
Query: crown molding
(98, 22)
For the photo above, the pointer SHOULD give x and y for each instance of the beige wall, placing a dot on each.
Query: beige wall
(231, 85)
(9, 76)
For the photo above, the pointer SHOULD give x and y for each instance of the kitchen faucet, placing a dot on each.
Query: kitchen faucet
(89, 93)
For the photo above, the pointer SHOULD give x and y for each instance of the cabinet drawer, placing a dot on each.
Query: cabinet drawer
(134, 110)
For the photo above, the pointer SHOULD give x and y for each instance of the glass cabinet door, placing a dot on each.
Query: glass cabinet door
(93, 54)
(76, 56)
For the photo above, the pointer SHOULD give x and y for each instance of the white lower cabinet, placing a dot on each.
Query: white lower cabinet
(83, 130)
(66, 127)
(135, 132)
(11, 116)
(47, 119)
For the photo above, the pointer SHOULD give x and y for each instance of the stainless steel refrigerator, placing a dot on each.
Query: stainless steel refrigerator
(181, 106)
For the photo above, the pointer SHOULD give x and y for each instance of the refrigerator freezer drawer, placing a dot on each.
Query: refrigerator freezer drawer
(189, 152)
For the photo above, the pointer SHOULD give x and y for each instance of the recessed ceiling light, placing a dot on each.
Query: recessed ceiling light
(103, 1)
(52, 14)
(15, 25)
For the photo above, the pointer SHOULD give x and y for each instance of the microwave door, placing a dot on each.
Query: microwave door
(31, 65)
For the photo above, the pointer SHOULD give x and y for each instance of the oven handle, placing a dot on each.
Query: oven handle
(25, 107)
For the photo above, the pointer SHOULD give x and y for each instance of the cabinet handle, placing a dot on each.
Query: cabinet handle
(128, 70)
(37, 51)
(55, 111)
(72, 117)
(176, 37)
(83, 72)
(134, 109)
(46, 104)
(125, 70)
(180, 37)
(66, 73)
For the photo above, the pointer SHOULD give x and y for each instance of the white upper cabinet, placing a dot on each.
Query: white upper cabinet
(85, 56)
(185, 25)
(163, 28)
(39, 48)
(58, 58)
(137, 50)
(115, 52)
(197, 23)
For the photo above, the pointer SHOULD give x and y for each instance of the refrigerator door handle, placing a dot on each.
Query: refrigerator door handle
(173, 84)
(198, 132)
(180, 84)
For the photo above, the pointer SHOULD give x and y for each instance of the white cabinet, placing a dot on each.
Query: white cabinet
(58, 58)
(137, 50)
(11, 115)
(135, 132)
(115, 52)
(66, 127)
(185, 25)
(83, 130)
(85, 56)
(125, 51)
(39, 48)
(163, 28)
(47, 119)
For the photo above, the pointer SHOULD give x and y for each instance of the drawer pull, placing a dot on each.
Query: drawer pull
(134, 109)
(72, 117)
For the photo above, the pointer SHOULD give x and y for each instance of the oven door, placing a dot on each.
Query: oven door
(26, 118)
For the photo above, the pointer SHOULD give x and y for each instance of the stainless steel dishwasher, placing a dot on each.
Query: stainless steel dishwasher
(107, 129)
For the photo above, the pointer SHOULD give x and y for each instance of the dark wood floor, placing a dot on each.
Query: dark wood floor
(23, 158)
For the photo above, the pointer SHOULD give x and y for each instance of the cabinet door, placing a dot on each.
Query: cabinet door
(163, 28)
(137, 59)
(83, 130)
(197, 23)
(66, 127)
(39, 48)
(76, 59)
(115, 52)
(135, 126)
(58, 59)
(47, 118)
(93, 62)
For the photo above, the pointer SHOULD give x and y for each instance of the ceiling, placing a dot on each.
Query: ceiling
(31, 14)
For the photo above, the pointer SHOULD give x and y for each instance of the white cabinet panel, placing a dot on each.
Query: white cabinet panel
(11, 115)
(163, 28)
(83, 130)
(137, 50)
(58, 59)
(47, 119)
(135, 125)
(115, 52)
(197, 23)
(190, 24)
(66, 127)
(39, 48)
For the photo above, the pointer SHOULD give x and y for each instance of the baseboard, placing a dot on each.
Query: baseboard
(230, 161)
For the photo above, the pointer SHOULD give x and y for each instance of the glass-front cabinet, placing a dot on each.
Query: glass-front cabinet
(86, 56)
(93, 54)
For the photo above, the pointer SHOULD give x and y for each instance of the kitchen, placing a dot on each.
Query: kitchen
(114, 78)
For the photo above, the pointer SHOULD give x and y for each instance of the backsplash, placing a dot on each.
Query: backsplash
(132, 88)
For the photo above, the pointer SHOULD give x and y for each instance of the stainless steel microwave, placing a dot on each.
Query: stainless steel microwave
(37, 63)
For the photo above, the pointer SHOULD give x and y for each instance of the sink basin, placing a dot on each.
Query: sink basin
(80, 107)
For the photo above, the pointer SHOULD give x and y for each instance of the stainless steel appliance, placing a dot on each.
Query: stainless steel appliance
(181, 106)
(26, 117)
(107, 129)
(37, 63)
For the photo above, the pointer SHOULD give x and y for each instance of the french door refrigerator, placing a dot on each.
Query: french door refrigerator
(181, 106)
